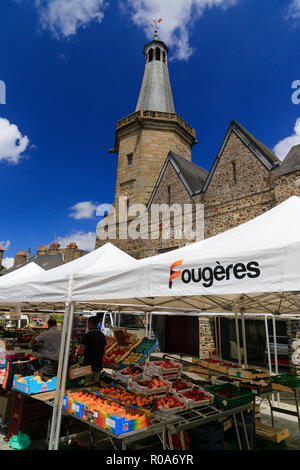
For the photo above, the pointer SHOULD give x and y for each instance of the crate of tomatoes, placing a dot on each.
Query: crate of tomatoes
(229, 396)
(196, 397)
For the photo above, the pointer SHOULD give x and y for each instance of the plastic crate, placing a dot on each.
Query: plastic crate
(243, 396)
(289, 380)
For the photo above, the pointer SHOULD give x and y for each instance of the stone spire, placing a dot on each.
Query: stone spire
(156, 93)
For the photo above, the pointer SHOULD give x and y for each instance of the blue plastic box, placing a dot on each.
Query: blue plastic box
(31, 386)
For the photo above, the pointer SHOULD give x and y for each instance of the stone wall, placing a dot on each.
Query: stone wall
(206, 337)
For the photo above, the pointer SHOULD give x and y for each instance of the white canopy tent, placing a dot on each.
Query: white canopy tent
(30, 269)
(253, 268)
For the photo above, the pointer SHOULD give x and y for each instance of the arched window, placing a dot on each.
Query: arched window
(157, 53)
(150, 55)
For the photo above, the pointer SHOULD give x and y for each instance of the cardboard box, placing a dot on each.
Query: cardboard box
(79, 371)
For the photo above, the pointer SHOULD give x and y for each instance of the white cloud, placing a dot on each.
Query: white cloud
(85, 241)
(294, 9)
(83, 210)
(178, 16)
(8, 262)
(5, 244)
(282, 148)
(64, 17)
(12, 142)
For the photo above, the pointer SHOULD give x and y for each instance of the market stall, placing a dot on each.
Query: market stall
(252, 268)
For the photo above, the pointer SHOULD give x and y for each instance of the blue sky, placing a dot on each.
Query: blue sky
(73, 68)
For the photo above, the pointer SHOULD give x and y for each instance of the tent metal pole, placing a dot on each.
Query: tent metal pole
(275, 352)
(59, 370)
(268, 349)
(64, 377)
(147, 323)
(238, 337)
(150, 326)
(220, 340)
(244, 341)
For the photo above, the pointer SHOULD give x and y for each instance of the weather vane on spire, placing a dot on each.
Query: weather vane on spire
(155, 22)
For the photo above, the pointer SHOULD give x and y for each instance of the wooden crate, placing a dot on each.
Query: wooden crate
(210, 365)
(270, 433)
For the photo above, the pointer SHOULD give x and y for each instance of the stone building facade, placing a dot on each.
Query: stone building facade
(245, 180)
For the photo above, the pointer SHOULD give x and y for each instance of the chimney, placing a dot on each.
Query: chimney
(1, 255)
(28, 254)
(71, 252)
(19, 258)
(42, 250)
(54, 247)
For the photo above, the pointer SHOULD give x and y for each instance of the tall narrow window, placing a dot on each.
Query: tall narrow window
(164, 57)
(169, 195)
(157, 53)
(150, 55)
(234, 170)
(129, 159)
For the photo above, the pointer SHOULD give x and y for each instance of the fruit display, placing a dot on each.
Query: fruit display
(169, 403)
(125, 397)
(197, 396)
(110, 340)
(140, 353)
(181, 385)
(150, 386)
(115, 355)
(131, 372)
(133, 357)
(162, 367)
(106, 413)
(228, 396)
(289, 380)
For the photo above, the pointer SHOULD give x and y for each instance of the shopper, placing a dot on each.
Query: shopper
(92, 346)
(49, 342)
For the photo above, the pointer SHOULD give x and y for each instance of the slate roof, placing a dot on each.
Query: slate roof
(291, 162)
(265, 150)
(192, 176)
(44, 261)
(155, 93)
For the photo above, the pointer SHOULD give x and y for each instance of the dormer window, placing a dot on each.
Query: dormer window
(129, 159)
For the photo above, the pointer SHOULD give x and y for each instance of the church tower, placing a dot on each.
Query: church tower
(144, 138)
